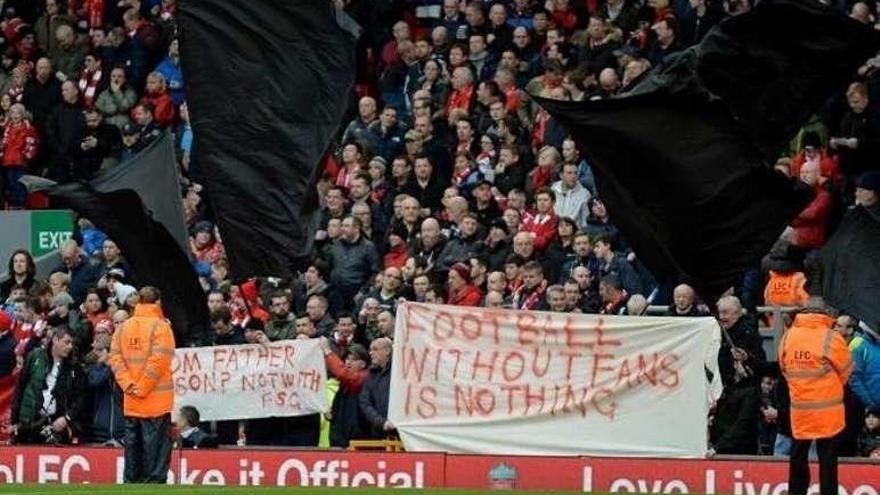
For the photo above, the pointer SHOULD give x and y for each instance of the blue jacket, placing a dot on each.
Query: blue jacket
(107, 418)
(174, 77)
(865, 379)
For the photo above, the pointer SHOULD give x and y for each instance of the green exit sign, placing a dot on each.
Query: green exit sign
(49, 230)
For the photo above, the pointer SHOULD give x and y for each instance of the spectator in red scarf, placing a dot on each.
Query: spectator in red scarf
(462, 292)
(462, 89)
(157, 95)
(19, 147)
(543, 221)
(93, 79)
(530, 295)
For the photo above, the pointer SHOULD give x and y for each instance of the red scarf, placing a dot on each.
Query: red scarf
(95, 13)
(88, 86)
(533, 300)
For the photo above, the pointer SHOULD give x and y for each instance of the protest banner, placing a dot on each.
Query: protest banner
(284, 378)
(489, 381)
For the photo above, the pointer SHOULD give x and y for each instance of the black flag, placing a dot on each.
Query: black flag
(267, 85)
(850, 267)
(683, 160)
(117, 203)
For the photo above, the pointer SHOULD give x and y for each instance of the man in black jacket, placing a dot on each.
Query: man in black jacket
(740, 360)
(374, 396)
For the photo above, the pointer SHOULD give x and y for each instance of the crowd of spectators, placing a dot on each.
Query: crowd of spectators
(449, 185)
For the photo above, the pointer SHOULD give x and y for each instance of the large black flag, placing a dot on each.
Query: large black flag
(683, 160)
(120, 203)
(267, 84)
(850, 266)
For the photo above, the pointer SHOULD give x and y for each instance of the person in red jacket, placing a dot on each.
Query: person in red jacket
(811, 223)
(19, 147)
(542, 222)
(461, 291)
(157, 95)
(346, 423)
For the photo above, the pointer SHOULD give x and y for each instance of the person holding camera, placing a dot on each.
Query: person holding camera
(49, 401)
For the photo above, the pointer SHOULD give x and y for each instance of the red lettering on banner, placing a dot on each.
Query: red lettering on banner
(449, 321)
(539, 373)
(411, 324)
(471, 327)
(412, 364)
(457, 353)
(427, 407)
(598, 367)
(513, 366)
(525, 325)
(488, 366)
(670, 378)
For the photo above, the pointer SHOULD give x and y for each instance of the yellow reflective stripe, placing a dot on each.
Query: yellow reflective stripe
(163, 387)
(136, 360)
(152, 374)
(807, 373)
(163, 350)
(819, 404)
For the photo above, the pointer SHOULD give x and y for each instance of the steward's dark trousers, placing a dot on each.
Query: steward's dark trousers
(799, 467)
(147, 449)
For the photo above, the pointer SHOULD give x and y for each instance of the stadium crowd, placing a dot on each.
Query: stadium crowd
(448, 185)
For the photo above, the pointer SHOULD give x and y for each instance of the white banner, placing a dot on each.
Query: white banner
(284, 378)
(488, 381)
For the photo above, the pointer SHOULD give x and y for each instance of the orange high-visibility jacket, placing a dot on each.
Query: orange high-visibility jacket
(140, 356)
(815, 360)
(786, 289)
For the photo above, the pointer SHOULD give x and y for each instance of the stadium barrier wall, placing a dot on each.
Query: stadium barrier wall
(310, 468)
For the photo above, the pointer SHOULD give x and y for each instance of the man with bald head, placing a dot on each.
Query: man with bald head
(429, 244)
(357, 129)
(684, 302)
(462, 89)
(609, 83)
(42, 93)
(75, 264)
(391, 289)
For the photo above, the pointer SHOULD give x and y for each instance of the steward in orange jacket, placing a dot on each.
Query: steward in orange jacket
(786, 289)
(816, 363)
(140, 356)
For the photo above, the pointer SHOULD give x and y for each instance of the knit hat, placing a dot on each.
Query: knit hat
(5, 321)
(62, 299)
(869, 180)
(379, 161)
(123, 292)
(104, 327)
(463, 271)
